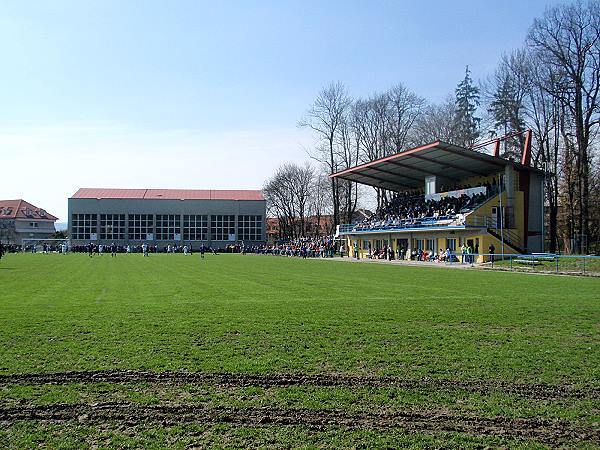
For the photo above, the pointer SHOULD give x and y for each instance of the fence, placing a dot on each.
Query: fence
(546, 263)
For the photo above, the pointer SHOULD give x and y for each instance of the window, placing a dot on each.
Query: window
(112, 226)
(250, 228)
(33, 224)
(168, 227)
(420, 244)
(195, 228)
(221, 227)
(451, 244)
(140, 226)
(430, 244)
(83, 226)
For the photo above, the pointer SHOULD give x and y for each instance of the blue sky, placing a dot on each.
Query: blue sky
(208, 94)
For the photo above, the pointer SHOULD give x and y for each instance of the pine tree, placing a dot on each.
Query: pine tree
(505, 108)
(467, 101)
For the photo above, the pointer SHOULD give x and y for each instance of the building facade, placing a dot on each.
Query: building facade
(215, 218)
(21, 222)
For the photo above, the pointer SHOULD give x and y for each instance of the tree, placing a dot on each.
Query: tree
(320, 200)
(325, 117)
(467, 102)
(567, 40)
(404, 108)
(542, 115)
(293, 194)
(437, 121)
(506, 95)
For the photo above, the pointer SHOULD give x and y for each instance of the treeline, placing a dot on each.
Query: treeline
(298, 196)
(550, 86)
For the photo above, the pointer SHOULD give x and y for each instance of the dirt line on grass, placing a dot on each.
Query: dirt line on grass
(541, 430)
(538, 391)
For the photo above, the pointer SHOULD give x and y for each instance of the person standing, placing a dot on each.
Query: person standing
(145, 249)
(491, 250)
(202, 250)
(113, 250)
(90, 249)
(469, 255)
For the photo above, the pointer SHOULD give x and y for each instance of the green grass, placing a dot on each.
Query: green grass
(262, 314)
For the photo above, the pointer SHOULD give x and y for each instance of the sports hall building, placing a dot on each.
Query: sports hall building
(161, 217)
(503, 207)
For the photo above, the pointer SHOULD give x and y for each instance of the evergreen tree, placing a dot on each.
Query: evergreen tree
(467, 101)
(506, 108)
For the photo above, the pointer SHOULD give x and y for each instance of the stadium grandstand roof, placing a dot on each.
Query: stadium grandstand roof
(168, 194)
(408, 169)
(20, 209)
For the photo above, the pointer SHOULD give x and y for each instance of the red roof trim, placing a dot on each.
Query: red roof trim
(387, 158)
(483, 157)
(168, 194)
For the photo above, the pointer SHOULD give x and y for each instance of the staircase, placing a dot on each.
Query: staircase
(511, 237)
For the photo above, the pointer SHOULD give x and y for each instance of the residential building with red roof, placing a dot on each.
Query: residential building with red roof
(167, 216)
(22, 220)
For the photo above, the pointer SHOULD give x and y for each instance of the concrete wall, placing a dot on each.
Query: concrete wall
(176, 207)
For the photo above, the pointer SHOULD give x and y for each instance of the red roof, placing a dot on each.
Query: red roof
(168, 194)
(20, 209)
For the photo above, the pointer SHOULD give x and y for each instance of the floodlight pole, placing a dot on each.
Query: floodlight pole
(501, 215)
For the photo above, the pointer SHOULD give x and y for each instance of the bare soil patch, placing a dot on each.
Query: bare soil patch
(537, 391)
(546, 431)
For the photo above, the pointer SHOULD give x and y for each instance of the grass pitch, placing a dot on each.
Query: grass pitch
(373, 355)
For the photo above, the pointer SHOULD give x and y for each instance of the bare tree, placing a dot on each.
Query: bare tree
(292, 195)
(567, 40)
(436, 122)
(325, 117)
(320, 200)
(348, 155)
(404, 108)
(542, 114)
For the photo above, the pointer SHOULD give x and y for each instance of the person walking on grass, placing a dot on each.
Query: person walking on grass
(113, 250)
(202, 250)
(145, 249)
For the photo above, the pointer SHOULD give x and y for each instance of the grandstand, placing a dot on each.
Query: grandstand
(446, 196)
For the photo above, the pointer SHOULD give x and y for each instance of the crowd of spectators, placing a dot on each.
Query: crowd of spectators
(406, 210)
(302, 247)
(308, 247)
(387, 253)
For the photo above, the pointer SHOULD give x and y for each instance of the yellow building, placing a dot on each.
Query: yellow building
(509, 215)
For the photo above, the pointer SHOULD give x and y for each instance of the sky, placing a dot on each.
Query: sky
(208, 95)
